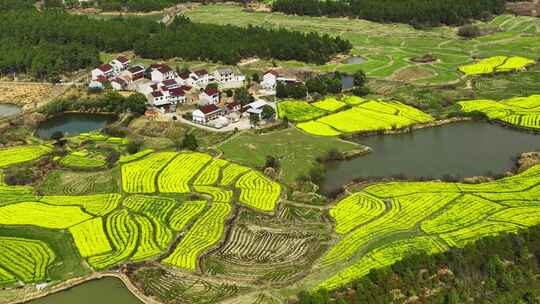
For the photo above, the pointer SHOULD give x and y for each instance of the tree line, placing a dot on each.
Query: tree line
(500, 269)
(416, 12)
(53, 41)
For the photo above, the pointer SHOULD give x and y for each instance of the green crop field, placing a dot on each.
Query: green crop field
(384, 222)
(521, 112)
(364, 116)
(21, 154)
(388, 48)
(496, 64)
(114, 228)
(81, 159)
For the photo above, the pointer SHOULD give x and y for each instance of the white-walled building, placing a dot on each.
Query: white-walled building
(119, 64)
(200, 78)
(206, 114)
(209, 96)
(161, 73)
(269, 80)
(119, 84)
(104, 70)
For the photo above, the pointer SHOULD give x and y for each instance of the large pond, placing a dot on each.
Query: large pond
(461, 150)
(102, 291)
(73, 124)
(7, 109)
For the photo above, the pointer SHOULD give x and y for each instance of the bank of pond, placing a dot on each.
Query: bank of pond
(104, 291)
(461, 149)
(73, 124)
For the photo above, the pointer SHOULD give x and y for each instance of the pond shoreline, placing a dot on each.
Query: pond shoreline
(66, 285)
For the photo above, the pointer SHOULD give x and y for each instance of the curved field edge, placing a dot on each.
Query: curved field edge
(426, 216)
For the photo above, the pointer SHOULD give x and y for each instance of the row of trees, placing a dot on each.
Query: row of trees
(53, 41)
(418, 12)
(322, 85)
(497, 270)
(110, 102)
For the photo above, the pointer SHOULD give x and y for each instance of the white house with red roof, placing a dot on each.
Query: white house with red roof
(270, 79)
(119, 64)
(177, 95)
(184, 78)
(161, 72)
(105, 70)
(119, 84)
(169, 84)
(200, 78)
(207, 113)
(209, 96)
(135, 72)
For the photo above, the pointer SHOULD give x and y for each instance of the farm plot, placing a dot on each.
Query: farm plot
(90, 238)
(298, 111)
(206, 232)
(129, 158)
(450, 214)
(177, 174)
(258, 192)
(496, 64)
(140, 176)
(82, 160)
(11, 156)
(42, 215)
(521, 112)
(329, 104)
(375, 115)
(98, 205)
(27, 259)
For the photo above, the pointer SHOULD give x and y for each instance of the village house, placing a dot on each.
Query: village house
(234, 106)
(98, 83)
(224, 75)
(135, 72)
(209, 96)
(177, 95)
(119, 84)
(169, 84)
(206, 114)
(256, 108)
(200, 78)
(183, 78)
(272, 77)
(119, 64)
(161, 72)
(105, 70)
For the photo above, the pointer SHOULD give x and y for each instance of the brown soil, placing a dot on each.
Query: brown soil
(25, 94)
(411, 74)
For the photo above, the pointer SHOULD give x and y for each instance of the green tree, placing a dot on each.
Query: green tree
(190, 142)
(359, 78)
(268, 112)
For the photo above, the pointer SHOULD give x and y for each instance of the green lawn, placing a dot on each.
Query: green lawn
(296, 150)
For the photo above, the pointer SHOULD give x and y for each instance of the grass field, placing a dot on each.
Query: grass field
(446, 214)
(295, 150)
(388, 48)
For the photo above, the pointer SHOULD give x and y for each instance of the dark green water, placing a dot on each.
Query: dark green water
(461, 149)
(73, 124)
(7, 109)
(102, 291)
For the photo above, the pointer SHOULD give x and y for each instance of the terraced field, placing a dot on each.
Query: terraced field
(523, 112)
(392, 220)
(137, 224)
(388, 49)
(363, 116)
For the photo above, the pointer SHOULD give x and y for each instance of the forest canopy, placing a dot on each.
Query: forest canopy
(416, 12)
(46, 44)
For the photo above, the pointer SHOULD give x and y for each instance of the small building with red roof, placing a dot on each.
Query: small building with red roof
(207, 113)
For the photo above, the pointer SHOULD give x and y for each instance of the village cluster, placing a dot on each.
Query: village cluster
(166, 88)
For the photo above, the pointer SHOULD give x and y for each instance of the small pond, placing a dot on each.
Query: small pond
(8, 109)
(103, 291)
(355, 60)
(73, 124)
(347, 82)
(461, 150)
